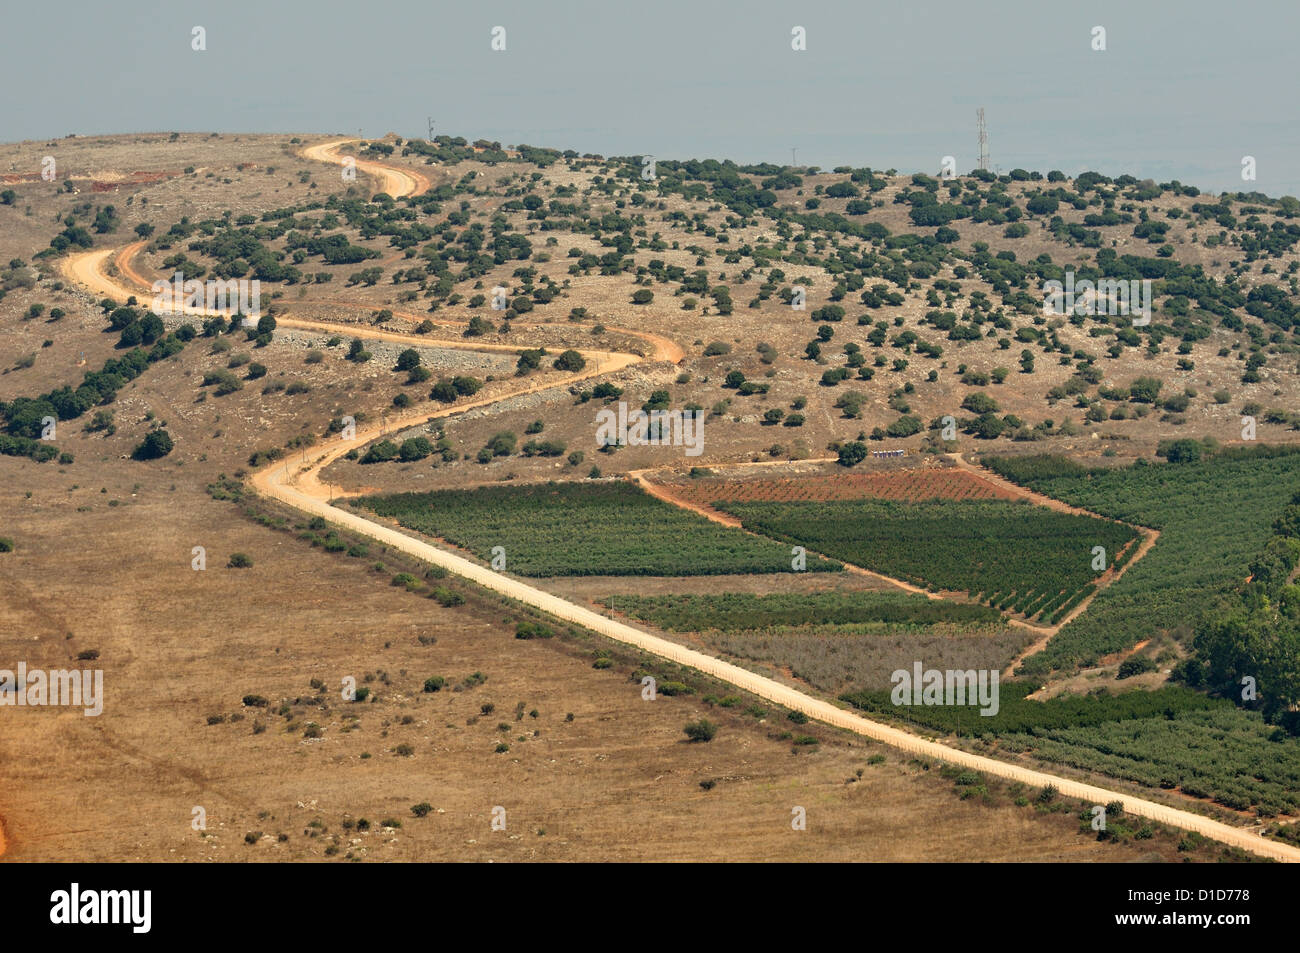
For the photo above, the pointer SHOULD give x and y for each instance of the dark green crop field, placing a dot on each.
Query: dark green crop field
(1013, 556)
(1214, 517)
(601, 529)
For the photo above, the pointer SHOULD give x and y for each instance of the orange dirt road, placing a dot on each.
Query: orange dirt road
(397, 181)
(88, 269)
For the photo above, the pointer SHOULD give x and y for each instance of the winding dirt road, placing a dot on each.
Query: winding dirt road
(88, 269)
(397, 181)
(296, 484)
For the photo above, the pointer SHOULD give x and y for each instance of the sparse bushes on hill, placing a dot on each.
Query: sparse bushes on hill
(501, 445)
(227, 383)
(1145, 390)
(529, 360)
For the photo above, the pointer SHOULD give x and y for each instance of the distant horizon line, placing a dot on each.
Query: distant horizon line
(821, 169)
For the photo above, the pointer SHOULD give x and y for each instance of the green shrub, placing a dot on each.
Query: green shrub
(447, 597)
(702, 730)
(533, 630)
(156, 444)
(674, 688)
(1137, 665)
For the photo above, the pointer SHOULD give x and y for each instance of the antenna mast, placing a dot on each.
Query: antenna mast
(984, 140)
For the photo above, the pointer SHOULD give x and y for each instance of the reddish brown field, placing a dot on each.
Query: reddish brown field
(904, 485)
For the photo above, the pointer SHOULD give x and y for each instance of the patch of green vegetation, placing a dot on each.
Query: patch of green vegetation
(1011, 555)
(583, 529)
(1214, 516)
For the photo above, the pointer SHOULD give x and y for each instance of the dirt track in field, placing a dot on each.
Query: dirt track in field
(397, 181)
(88, 269)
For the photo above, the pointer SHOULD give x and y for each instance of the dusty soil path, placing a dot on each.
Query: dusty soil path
(296, 483)
(304, 473)
(89, 269)
(397, 181)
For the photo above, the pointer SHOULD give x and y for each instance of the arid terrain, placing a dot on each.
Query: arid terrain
(210, 528)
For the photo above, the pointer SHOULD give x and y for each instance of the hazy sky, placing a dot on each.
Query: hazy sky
(1184, 89)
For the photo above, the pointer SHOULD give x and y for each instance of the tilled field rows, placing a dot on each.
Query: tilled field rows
(903, 485)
